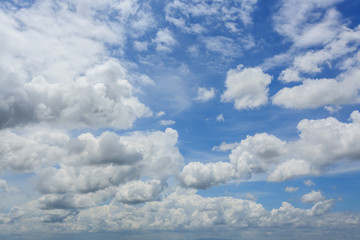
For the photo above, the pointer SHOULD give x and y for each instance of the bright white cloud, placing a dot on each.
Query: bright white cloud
(314, 93)
(247, 87)
(322, 143)
(102, 97)
(204, 94)
(312, 197)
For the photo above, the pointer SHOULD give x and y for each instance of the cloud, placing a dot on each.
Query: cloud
(204, 95)
(309, 183)
(167, 122)
(222, 45)
(164, 40)
(305, 23)
(312, 197)
(102, 97)
(247, 87)
(314, 93)
(174, 212)
(141, 46)
(321, 144)
(199, 175)
(220, 118)
(291, 189)
(139, 191)
(234, 15)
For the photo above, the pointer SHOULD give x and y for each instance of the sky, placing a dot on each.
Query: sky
(203, 119)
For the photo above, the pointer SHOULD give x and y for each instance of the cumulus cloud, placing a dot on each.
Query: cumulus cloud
(55, 66)
(321, 143)
(199, 175)
(103, 97)
(204, 95)
(247, 87)
(312, 197)
(139, 191)
(174, 212)
(314, 93)
(80, 171)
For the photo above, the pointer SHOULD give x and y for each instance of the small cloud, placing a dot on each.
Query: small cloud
(220, 118)
(312, 197)
(160, 114)
(204, 95)
(332, 109)
(141, 46)
(291, 189)
(167, 122)
(164, 40)
(309, 183)
(250, 196)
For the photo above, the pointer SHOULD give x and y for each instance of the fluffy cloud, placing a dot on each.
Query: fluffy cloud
(204, 94)
(247, 87)
(83, 171)
(103, 97)
(199, 175)
(322, 143)
(312, 197)
(55, 66)
(180, 210)
(313, 93)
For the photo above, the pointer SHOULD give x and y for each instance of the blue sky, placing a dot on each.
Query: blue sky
(191, 119)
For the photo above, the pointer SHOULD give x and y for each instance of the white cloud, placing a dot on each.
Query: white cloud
(174, 212)
(223, 45)
(247, 87)
(204, 94)
(101, 98)
(167, 122)
(220, 118)
(304, 22)
(199, 175)
(322, 143)
(312, 197)
(233, 15)
(314, 93)
(164, 40)
(139, 191)
(141, 46)
(346, 43)
(309, 183)
(160, 114)
(291, 189)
